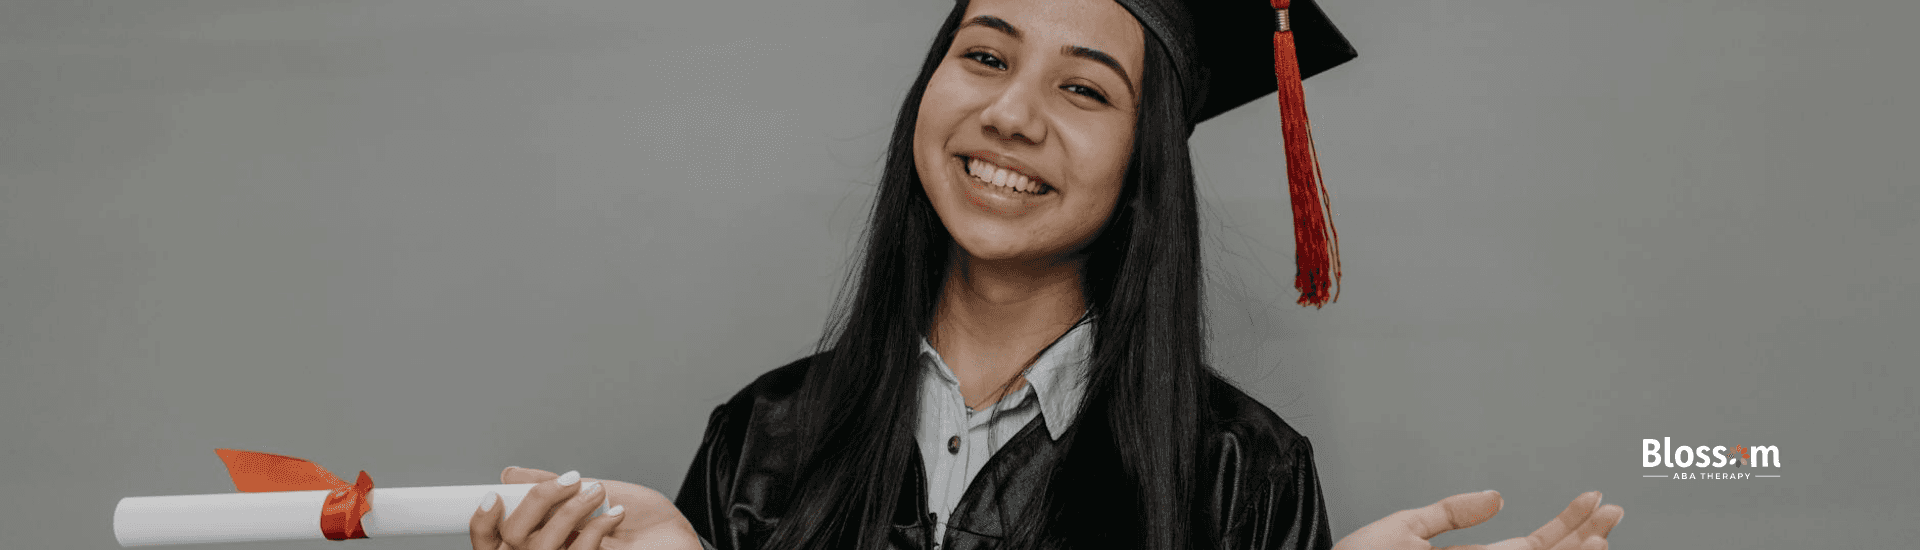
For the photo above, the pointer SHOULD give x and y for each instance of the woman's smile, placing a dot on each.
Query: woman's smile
(988, 168)
(1002, 189)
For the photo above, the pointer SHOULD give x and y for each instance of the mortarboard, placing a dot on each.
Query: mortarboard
(1222, 50)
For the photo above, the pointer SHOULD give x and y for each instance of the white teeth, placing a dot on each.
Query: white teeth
(1002, 177)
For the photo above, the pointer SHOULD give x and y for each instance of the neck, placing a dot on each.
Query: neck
(994, 318)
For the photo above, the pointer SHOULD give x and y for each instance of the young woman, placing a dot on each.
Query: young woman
(1022, 360)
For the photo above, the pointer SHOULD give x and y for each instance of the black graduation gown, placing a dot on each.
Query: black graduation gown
(1257, 488)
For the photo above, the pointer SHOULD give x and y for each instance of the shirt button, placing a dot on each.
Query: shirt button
(953, 445)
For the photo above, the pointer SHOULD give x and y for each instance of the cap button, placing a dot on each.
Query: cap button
(953, 445)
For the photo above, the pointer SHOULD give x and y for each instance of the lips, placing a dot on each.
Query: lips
(1009, 178)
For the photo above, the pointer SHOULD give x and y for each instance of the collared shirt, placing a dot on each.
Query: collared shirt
(956, 441)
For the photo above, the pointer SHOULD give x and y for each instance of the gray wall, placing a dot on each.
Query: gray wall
(431, 239)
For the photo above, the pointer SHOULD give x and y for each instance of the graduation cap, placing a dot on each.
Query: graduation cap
(1222, 50)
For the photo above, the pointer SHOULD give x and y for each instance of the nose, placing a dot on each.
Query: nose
(1014, 115)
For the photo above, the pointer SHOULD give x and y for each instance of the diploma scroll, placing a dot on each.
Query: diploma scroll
(295, 515)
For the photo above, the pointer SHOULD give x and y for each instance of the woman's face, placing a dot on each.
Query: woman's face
(1026, 127)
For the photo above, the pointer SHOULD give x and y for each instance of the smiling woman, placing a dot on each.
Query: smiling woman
(1025, 130)
(1022, 360)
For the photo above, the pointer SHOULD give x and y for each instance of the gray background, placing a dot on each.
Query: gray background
(431, 239)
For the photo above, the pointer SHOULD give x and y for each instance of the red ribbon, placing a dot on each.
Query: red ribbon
(255, 472)
(1316, 244)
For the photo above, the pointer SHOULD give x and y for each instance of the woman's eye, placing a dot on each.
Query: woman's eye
(985, 59)
(1085, 91)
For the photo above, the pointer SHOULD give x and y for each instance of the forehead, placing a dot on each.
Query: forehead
(1099, 24)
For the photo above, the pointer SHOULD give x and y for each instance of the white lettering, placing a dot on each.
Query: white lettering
(1657, 452)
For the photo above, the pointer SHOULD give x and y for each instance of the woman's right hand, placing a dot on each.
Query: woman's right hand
(554, 515)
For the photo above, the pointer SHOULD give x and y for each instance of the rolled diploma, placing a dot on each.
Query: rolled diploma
(295, 515)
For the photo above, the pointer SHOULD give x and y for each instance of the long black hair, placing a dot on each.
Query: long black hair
(1134, 440)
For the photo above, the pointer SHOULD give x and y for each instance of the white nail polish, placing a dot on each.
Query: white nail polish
(616, 510)
(486, 501)
(569, 478)
(589, 488)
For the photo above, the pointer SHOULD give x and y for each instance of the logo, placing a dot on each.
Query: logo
(1660, 453)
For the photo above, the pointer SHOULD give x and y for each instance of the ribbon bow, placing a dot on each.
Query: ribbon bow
(255, 472)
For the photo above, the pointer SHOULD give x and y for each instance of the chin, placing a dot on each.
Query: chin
(1001, 244)
(989, 245)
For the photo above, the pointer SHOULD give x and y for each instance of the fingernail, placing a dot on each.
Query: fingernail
(616, 510)
(486, 501)
(1598, 498)
(569, 478)
(589, 488)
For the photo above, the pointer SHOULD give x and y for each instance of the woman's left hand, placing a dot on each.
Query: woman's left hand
(554, 516)
(1584, 525)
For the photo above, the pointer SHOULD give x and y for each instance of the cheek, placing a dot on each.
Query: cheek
(1104, 160)
(1104, 163)
(934, 123)
(942, 102)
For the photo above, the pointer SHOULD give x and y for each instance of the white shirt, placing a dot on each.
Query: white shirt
(1055, 383)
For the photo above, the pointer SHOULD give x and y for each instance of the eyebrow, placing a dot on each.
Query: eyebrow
(994, 23)
(1103, 59)
(1082, 52)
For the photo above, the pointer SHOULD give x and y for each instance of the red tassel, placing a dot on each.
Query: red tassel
(1316, 244)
